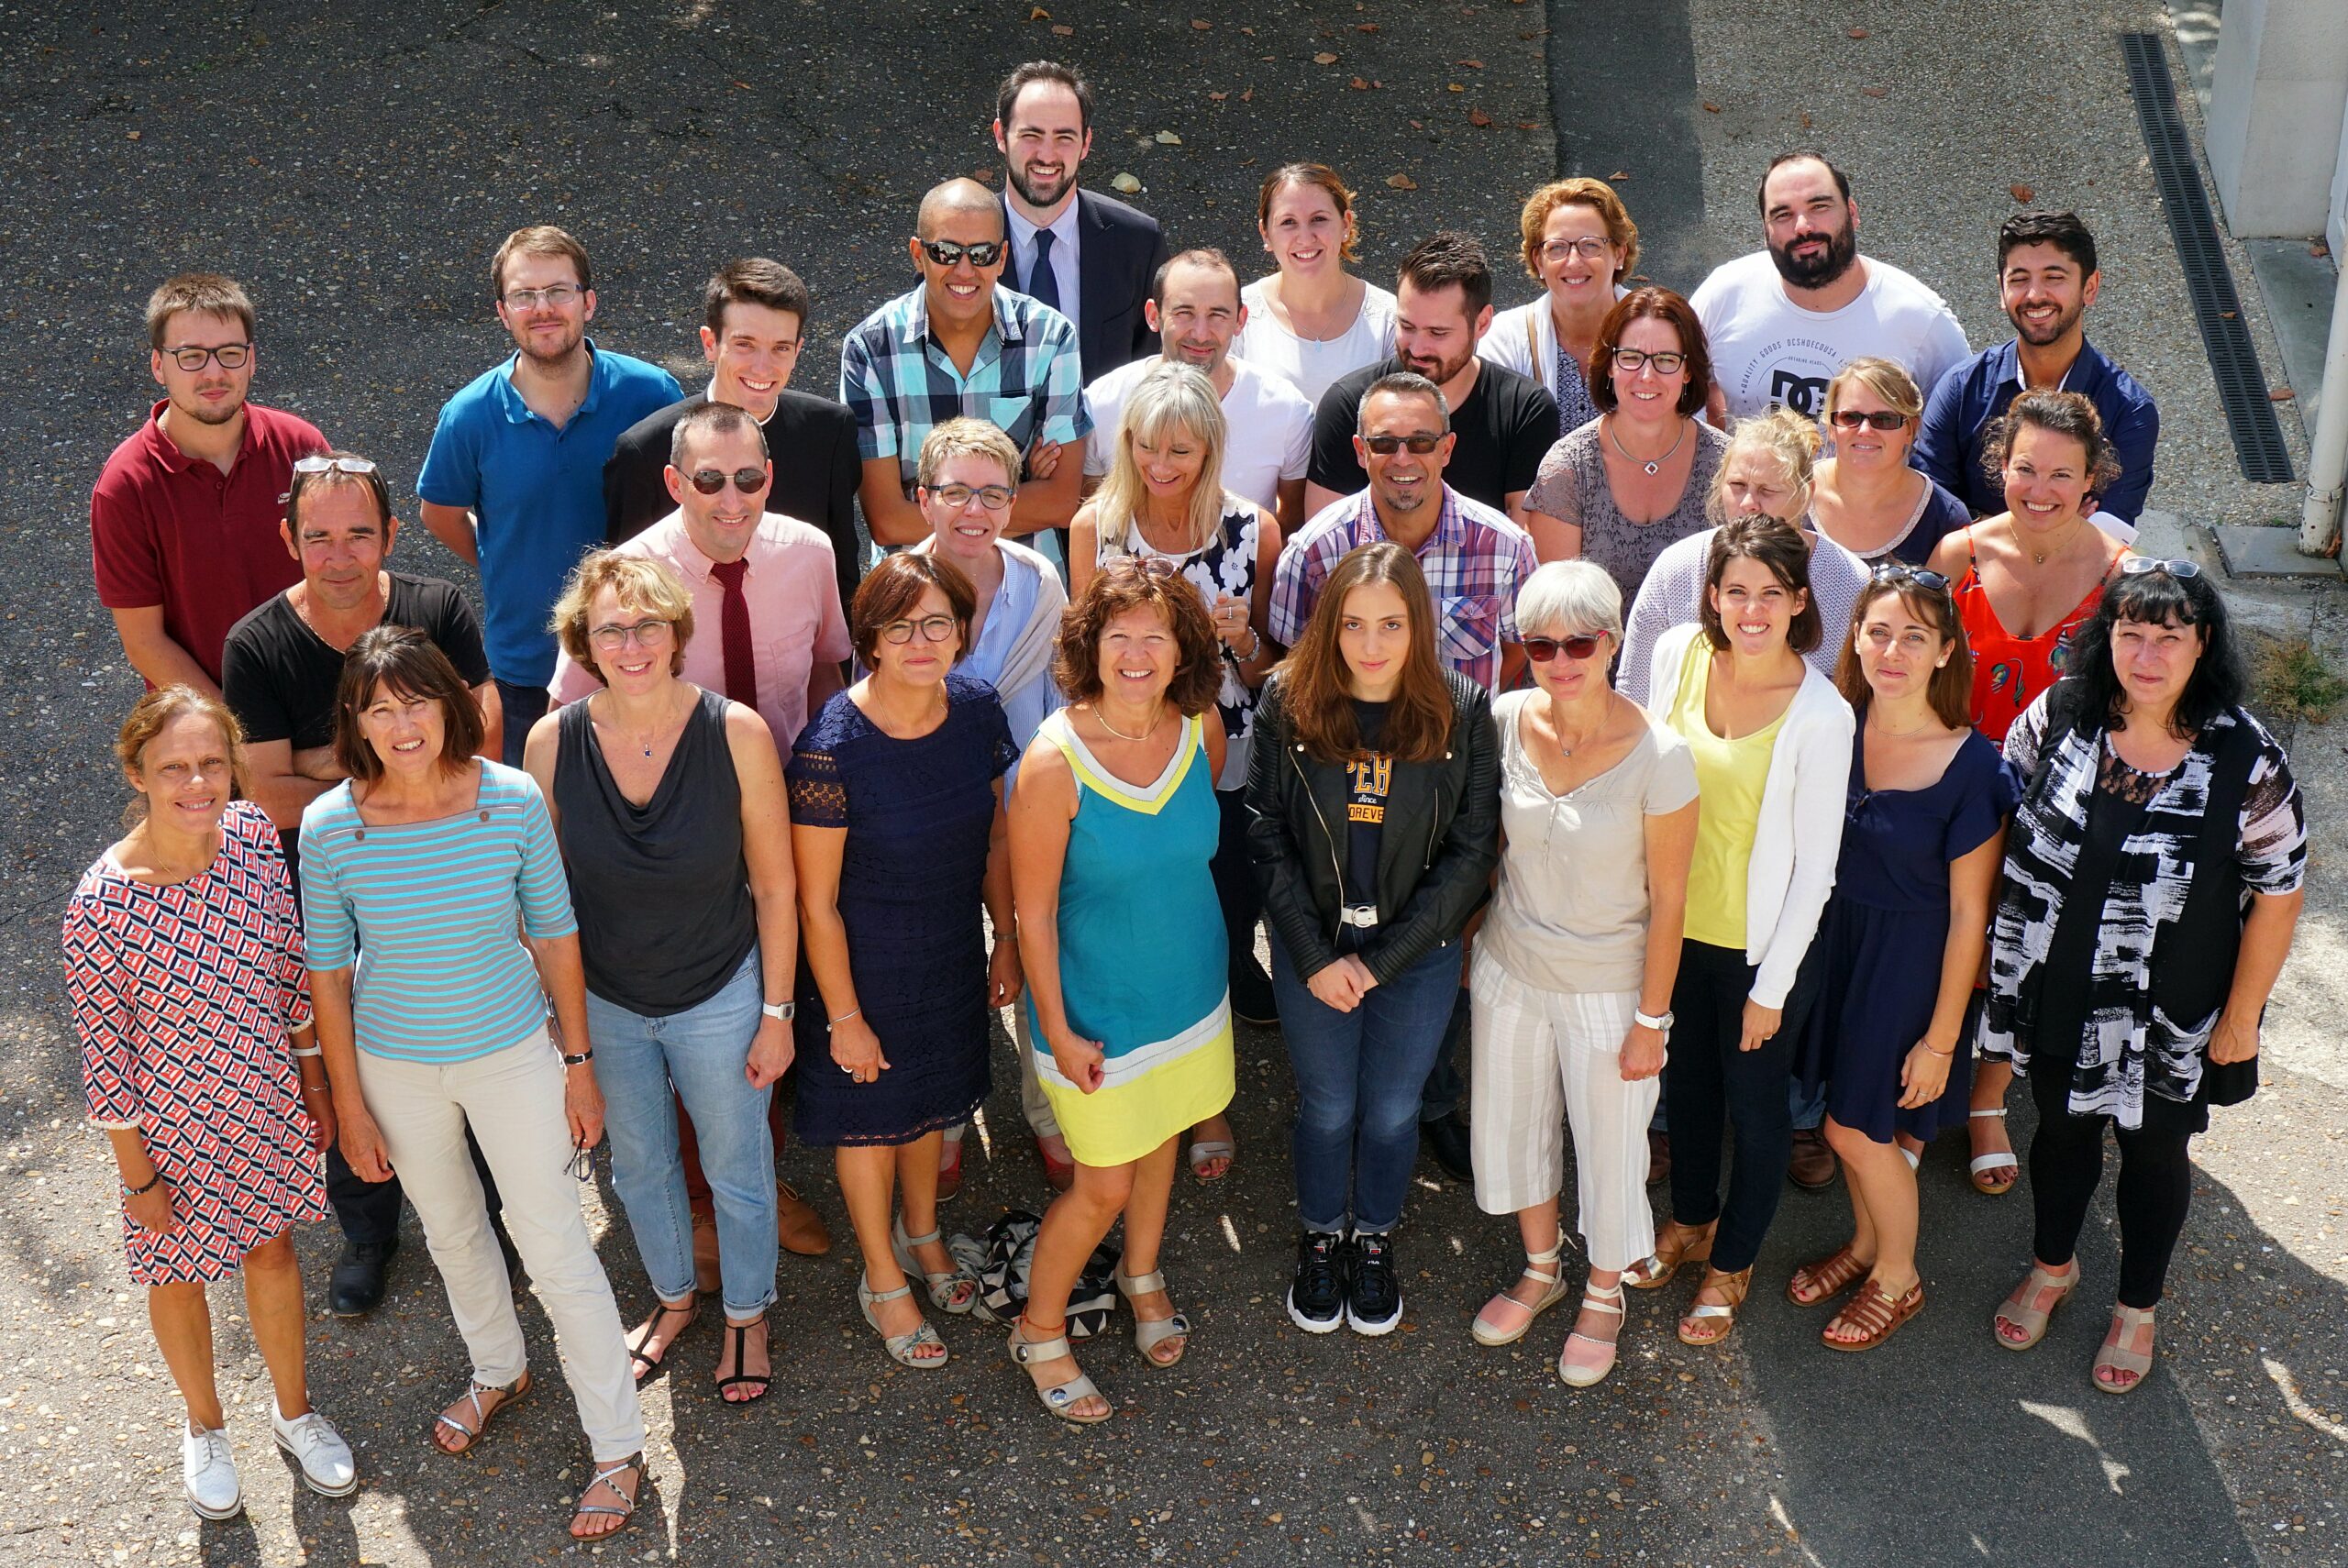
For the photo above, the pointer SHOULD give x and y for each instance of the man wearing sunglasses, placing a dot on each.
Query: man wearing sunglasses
(957, 344)
(514, 480)
(183, 519)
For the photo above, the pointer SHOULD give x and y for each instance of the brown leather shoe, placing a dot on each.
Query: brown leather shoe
(797, 1226)
(1813, 1165)
(705, 1278)
(1658, 1157)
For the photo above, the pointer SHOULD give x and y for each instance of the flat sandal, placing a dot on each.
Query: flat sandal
(1875, 1314)
(1826, 1278)
(2032, 1320)
(1733, 1287)
(2126, 1322)
(602, 1477)
(474, 1388)
(1060, 1400)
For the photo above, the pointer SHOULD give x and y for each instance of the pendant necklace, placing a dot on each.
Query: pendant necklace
(1657, 466)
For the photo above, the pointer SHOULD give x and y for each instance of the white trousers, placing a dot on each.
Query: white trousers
(514, 1099)
(1544, 1060)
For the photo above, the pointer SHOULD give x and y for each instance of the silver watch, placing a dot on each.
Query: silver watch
(781, 1009)
(1645, 1020)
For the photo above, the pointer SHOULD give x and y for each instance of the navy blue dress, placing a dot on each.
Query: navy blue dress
(919, 815)
(1884, 936)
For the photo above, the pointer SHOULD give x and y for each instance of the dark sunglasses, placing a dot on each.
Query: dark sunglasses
(2137, 566)
(1880, 419)
(1387, 445)
(945, 252)
(1899, 571)
(709, 482)
(1541, 650)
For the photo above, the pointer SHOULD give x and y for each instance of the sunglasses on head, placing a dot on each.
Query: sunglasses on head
(1877, 419)
(1387, 445)
(2137, 566)
(945, 252)
(1899, 571)
(709, 482)
(1541, 650)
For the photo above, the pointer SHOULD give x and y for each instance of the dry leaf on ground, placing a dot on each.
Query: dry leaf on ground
(1402, 181)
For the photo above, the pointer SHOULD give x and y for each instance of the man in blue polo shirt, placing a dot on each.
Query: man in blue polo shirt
(2046, 279)
(514, 482)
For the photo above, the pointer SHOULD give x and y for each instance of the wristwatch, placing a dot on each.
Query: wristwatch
(781, 1009)
(1660, 1025)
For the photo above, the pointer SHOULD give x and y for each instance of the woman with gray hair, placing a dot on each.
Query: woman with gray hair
(1574, 969)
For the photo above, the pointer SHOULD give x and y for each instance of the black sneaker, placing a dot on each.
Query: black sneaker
(1316, 1296)
(1373, 1295)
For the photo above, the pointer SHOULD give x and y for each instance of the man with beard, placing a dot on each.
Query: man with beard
(514, 480)
(2046, 279)
(1502, 423)
(183, 519)
(1783, 320)
(1194, 309)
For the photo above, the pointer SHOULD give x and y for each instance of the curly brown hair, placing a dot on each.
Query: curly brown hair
(1129, 582)
(2059, 413)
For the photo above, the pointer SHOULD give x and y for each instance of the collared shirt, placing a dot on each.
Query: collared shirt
(901, 384)
(1976, 393)
(1064, 273)
(170, 530)
(537, 492)
(1476, 562)
(794, 616)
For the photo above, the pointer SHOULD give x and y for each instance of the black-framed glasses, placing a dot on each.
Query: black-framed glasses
(993, 497)
(2137, 566)
(1589, 247)
(582, 1163)
(945, 252)
(232, 356)
(1900, 571)
(1541, 650)
(1665, 362)
(1874, 419)
(326, 465)
(1387, 445)
(709, 482)
(558, 295)
(650, 635)
(933, 629)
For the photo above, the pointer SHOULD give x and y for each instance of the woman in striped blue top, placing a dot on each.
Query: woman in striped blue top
(431, 1005)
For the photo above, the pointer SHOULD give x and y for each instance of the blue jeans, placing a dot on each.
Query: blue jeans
(703, 1051)
(1357, 1080)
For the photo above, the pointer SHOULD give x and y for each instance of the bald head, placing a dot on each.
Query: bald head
(959, 199)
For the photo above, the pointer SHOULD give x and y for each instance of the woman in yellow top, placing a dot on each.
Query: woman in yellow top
(1771, 739)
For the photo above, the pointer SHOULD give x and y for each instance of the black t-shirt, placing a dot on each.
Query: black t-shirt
(278, 678)
(1505, 428)
(1369, 778)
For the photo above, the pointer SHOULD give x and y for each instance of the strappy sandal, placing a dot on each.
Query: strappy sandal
(646, 1365)
(2137, 1366)
(1205, 1151)
(950, 1290)
(1062, 1400)
(758, 1383)
(1678, 1245)
(1552, 1290)
(1583, 1373)
(1813, 1285)
(2032, 1303)
(1983, 1164)
(507, 1394)
(1874, 1314)
(901, 1347)
(602, 1477)
(1151, 1332)
(1733, 1287)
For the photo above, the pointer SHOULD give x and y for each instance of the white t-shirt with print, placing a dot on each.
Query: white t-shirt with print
(1766, 350)
(1271, 427)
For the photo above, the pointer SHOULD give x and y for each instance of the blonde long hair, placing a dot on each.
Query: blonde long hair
(1170, 397)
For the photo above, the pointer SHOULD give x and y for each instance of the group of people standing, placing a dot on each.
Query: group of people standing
(1531, 679)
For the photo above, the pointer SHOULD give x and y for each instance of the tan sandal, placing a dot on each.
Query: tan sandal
(1677, 1244)
(1813, 1285)
(1874, 1314)
(1544, 1270)
(1692, 1331)
(2031, 1304)
(2113, 1358)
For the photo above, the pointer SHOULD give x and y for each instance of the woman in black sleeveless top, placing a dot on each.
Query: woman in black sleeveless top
(667, 801)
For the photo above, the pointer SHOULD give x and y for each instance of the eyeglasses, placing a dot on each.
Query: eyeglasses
(1387, 445)
(1666, 363)
(2137, 566)
(1589, 247)
(993, 497)
(709, 482)
(559, 296)
(945, 252)
(232, 356)
(582, 1163)
(933, 629)
(649, 635)
(1541, 650)
(326, 465)
(1897, 572)
(1877, 419)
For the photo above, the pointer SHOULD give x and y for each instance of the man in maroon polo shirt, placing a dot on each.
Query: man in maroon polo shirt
(184, 521)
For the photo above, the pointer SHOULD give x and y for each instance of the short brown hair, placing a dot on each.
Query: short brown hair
(640, 583)
(154, 712)
(1950, 691)
(1316, 686)
(303, 483)
(1129, 582)
(205, 293)
(402, 659)
(712, 419)
(1654, 304)
(1776, 545)
(753, 280)
(539, 239)
(1007, 97)
(890, 591)
(2059, 413)
(1581, 191)
(1321, 176)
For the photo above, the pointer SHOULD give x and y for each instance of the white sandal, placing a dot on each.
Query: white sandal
(901, 1347)
(950, 1290)
(1991, 1161)
(1554, 1281)
(1575, 1375)
(1150, 1333)
(1060, 1401)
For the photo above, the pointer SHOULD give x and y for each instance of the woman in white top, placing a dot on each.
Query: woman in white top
(1311, 321)
(1579, 244)
(1574, 970)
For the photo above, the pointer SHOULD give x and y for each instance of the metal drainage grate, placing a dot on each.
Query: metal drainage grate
(2242, 385)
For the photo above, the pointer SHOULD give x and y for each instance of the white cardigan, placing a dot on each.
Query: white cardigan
(1800, 833)
(1504, 342)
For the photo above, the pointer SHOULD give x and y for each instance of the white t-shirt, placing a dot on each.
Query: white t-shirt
(1766, 350)
(1309, 366)
(1270, 428)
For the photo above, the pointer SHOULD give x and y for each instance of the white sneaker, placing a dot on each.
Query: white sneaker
(208, 1470)
(326, 1467)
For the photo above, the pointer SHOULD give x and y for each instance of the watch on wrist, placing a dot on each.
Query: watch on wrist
(581, 1060)
(781, 1009)
(1661, 1025)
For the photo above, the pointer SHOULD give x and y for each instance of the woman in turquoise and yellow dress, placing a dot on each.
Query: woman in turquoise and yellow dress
(1113, 825)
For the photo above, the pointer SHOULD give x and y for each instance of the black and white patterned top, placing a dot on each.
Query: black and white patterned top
(1226, 565)
(2128, 1046)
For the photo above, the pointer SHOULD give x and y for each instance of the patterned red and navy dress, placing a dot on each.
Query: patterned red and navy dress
(183, 997)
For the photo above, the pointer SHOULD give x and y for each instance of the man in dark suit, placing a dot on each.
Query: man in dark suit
(755, 323)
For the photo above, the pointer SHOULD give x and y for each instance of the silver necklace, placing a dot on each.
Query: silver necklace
(1652, 468)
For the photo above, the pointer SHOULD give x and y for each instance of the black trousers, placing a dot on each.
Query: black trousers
(2154, 1190)
(1714, 1086)
(1234, 881)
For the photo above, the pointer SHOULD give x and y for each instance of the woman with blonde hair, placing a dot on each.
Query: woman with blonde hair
(1311, 321)
(1866, 497)
(1579, 244)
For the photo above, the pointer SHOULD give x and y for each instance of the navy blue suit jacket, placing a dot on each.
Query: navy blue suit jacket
(1118, 251)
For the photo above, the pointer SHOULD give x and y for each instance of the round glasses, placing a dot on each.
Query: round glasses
(649, 635)
(709, 482)
(1541, 650)
(933, 629)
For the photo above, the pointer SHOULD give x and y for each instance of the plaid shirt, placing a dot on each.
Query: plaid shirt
(901, 384)
(1476, 562)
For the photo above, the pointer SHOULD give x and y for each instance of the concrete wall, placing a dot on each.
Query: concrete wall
(2279, 115)
(2335, 229)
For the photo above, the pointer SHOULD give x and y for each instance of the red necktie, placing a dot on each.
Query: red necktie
(734, 625)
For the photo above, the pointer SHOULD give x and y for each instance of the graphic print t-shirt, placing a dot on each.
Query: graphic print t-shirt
(1369, 778)
(1767, 350)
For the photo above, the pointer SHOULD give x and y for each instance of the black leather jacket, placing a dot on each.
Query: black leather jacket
(1435, 856)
